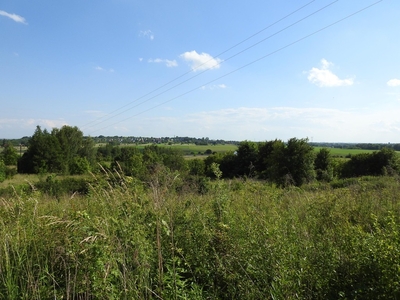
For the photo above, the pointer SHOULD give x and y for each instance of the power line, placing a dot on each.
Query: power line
(111, 114)
(250, 63)
(236, 54)
(198, 74)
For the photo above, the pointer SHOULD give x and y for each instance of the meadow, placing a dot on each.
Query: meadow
(344, 152)
(193, 149)
(237, 239)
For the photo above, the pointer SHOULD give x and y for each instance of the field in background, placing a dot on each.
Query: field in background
(343, 152)
(187, 149)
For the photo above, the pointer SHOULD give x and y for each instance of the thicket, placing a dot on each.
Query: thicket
(63, 151)
(241, 239)
(66, 151)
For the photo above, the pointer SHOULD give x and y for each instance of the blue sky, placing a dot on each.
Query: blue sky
(255, 70)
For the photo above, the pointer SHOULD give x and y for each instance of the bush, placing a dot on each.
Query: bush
(11, 172)
(2, 171)
(58, 188)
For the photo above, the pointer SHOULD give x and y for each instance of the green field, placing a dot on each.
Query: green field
(190, 149)
(344, 152)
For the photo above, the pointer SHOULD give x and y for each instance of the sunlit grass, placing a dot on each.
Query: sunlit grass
(242, 239)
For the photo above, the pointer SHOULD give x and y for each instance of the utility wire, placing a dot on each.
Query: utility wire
(198, 74)
(240, 52)
(188, 72)
(250, 63)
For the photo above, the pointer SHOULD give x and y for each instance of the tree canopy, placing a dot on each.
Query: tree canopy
(64, 150)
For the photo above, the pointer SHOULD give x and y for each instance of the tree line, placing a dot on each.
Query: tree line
(295, 162)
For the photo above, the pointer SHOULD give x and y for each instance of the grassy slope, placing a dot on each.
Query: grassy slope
(241, 240)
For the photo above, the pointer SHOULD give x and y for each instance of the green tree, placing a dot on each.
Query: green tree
(129, 161)
(323, 165)
(10, 155)
(2, 171)
(88, 151)
(264, 152)
(385, 161)
(291, 163)
(300, 160)
(79, 166)
(43, 154)
(277, 170)
(247, 157)
(59, 151)
(70, 140)
(196, 167)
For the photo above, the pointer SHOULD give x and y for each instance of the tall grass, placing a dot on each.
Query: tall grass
(241, 240)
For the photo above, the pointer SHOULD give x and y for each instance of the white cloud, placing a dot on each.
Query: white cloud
(95, 113)
(168, 63)
(200, 62)
(147, 33)
(13, 17)
(324, 77)
(140, 58)
(29, 125)
(213, 87)
(100, 69)
(393, 82)
(331, 125)
(261, 124)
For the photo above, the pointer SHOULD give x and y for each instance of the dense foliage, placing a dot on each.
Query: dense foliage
(238, 240)
(272, 220)
(63, 151)
(66, 151)
(2, 170)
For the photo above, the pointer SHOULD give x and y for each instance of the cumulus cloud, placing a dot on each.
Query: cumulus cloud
(147, 33)
(393, 82)
(13, 17)
(200, 62)
(98, 68)
(324, 77)
(168, 63)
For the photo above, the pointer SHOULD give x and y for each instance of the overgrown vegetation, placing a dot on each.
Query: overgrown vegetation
(272, 220)
(124, 239)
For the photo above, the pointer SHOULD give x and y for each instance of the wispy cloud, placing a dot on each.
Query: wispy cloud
(324, 77)
(100, 69)
(147, 33)
(285, 122)
(31, 124)
(214, 86)
(260, 124)
(13, 17)
(96, 113)
(200, 62)
(168, 63)
(393, 82)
